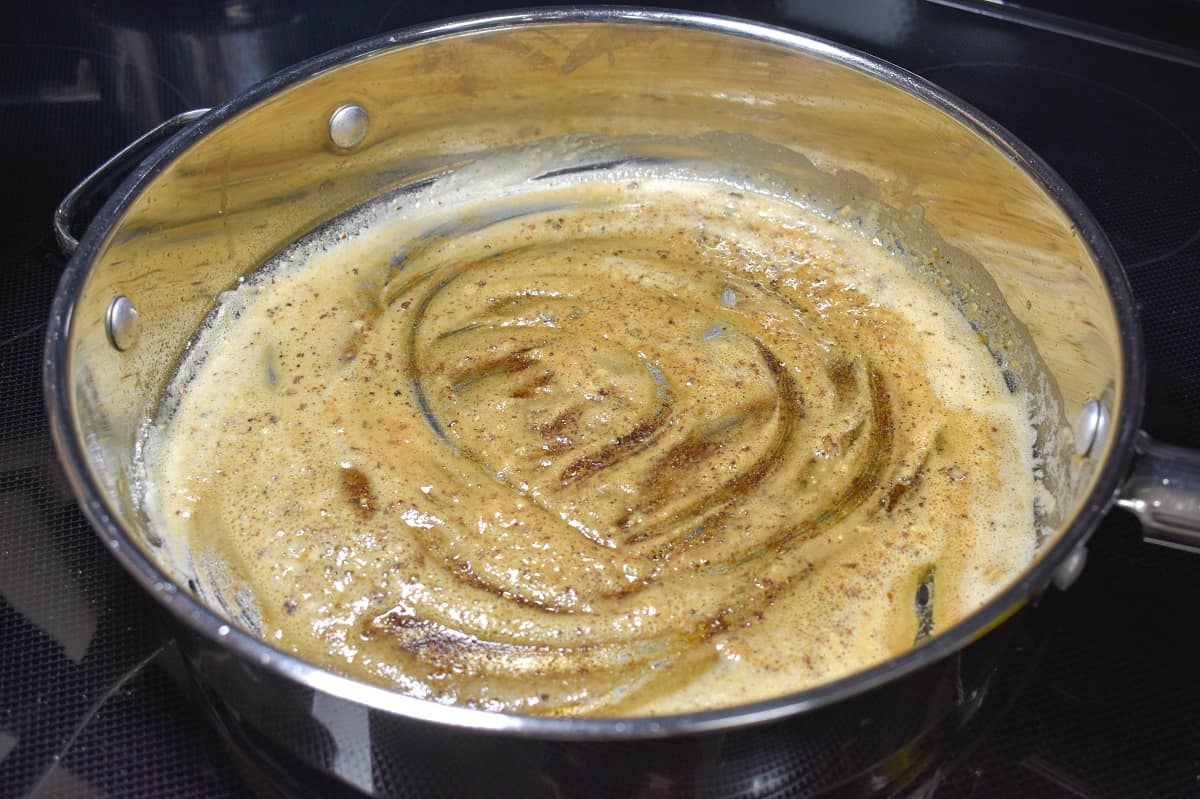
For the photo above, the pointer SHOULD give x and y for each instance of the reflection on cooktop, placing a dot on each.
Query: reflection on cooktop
(1135, 165)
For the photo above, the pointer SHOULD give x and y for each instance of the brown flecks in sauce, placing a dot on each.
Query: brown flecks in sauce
(357, 489)
(508, 364)
(902, 486)
(531, 388)
(843, 377)
(558, 434)
(954, 473)
(611, 454)
(694, 549)
(685, 454)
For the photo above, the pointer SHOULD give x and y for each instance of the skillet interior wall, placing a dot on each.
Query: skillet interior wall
(269, 175)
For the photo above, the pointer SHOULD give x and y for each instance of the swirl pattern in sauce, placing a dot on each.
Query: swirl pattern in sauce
(609, 448)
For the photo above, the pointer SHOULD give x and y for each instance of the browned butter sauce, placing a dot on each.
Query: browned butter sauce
(609, 448)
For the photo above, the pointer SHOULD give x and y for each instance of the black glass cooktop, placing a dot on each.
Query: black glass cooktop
(91, 699)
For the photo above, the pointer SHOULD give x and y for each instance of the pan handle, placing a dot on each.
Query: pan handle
(106, 177)
(1164, 491)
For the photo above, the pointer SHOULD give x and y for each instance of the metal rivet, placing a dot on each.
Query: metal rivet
(1070, 569)
(121, 322)
(1091, 427)
(348, 126)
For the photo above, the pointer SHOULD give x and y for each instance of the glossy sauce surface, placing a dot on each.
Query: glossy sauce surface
(607, 448)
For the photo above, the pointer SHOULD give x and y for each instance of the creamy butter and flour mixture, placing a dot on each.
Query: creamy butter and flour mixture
(603, 447)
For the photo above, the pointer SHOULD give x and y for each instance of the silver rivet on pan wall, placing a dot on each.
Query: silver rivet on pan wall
(348, 125)
(1091, 427)
(121, 323)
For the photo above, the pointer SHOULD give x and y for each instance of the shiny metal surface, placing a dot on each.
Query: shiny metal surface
(882, 738)
(65, 222)
(1163, 491)
(256, 174)
(348, 126)
(1091, 426)
(121, 323)
(1071, 568)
